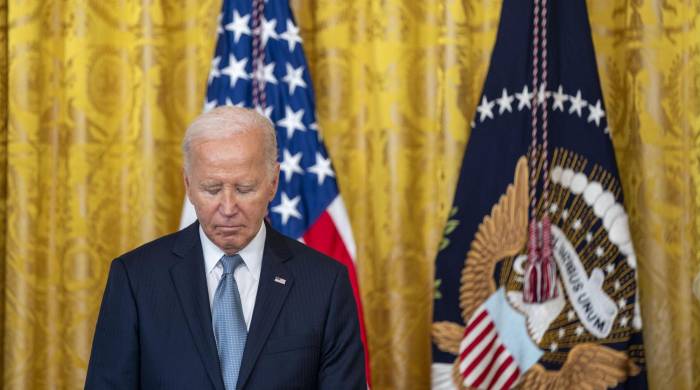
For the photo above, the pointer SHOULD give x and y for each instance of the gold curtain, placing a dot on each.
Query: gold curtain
(648, 54)
(98, 96)
(95, 96)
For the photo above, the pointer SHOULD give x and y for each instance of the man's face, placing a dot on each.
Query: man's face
(230, 186)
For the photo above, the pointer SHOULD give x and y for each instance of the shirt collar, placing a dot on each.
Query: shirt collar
(251, 254)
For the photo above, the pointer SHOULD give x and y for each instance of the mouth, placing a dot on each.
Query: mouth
(229, 228)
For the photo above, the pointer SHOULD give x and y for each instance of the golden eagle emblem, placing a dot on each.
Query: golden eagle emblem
(501, 234)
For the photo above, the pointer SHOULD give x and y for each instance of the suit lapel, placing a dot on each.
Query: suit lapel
(268, 302)
(190, 282)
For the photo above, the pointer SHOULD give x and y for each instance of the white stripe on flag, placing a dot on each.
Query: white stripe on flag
(505, 376)
(469, 338)
(339, 215)
(480, 347)
(502, 356)
(484, 363)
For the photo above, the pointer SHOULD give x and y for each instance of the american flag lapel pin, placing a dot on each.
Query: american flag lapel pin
(280, 280)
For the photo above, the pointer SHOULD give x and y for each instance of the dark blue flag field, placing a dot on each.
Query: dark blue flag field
(486, 333)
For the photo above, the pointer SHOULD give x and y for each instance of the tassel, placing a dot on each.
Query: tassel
(539, 284)
(549, 266)
(532, 274)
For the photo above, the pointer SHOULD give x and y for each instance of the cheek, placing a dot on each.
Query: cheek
(258, 207)
(206, 207)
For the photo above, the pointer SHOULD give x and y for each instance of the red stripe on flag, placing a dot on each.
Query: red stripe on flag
(500, 370)
(324, 237)
(488, 367)
(512, 379)
(481, 355)
(473, 324)
(476, 341)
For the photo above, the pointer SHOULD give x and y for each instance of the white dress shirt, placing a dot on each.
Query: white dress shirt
(247, 275)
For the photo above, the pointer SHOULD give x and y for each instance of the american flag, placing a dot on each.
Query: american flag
(485, 363)
(490, 354)
(308, 205)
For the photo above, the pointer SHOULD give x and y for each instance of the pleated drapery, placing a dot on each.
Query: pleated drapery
(96, 95)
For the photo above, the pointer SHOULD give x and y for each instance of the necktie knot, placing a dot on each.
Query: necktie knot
(230, 263)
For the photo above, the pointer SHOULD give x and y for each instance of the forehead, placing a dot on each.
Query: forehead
(230, 156)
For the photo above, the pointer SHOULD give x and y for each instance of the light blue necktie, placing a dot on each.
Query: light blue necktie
(230, 331)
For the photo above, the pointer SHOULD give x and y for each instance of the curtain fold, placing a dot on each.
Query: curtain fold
(648, 54)
(397, 83)
(95, 97)
(3, 165)
(99, 94)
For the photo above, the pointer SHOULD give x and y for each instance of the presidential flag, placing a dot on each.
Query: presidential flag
(260, 63)
(541, 93)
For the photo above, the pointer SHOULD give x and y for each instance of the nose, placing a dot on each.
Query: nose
(228, 204)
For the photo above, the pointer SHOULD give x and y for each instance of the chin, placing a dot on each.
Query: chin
(229, 246)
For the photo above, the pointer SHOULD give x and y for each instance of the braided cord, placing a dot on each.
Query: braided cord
(259, 96)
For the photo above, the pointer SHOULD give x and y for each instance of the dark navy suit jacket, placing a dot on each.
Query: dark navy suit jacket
(154, 329)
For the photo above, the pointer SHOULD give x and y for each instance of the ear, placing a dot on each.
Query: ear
(187, 184)
(275, 181)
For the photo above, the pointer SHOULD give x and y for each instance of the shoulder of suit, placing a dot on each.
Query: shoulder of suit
(150, 252)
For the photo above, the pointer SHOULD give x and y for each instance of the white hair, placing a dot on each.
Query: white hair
(224, 121)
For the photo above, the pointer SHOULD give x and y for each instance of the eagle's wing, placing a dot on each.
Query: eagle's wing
(502, 233)
(588, 366)
(447, 336)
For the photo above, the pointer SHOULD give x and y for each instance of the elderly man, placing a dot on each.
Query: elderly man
(227, 303)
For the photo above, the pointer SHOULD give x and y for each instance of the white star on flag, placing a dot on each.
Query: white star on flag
(209, 105)
(485, 108)
(292, 121)
(291, 35)
(287, 208)
(214, 70)
(230, 102)
(577, 103)
(576, 225)
(267, 111)
(622, 303)
(235, 70)
(610, 268)
(504, 102)
(624, 320)
(294, 78)
(238, 26)
(579, 330)
(290, 165)
(559, 98)
(322, 168)
(266, 73)
(524, 98)
(268, 30)
(596, 113)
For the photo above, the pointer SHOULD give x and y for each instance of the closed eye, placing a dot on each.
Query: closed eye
(212, 190)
